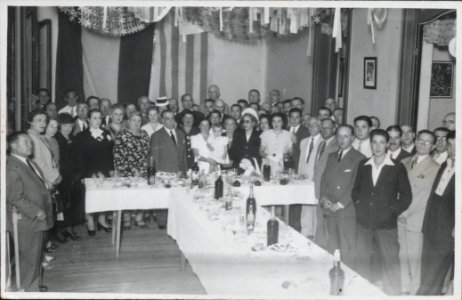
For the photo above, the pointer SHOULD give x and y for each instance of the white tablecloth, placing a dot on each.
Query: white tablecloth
(107, 197)
(226, 265)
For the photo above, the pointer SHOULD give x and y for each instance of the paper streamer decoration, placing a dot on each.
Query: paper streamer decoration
(337, 29)
(376, 16)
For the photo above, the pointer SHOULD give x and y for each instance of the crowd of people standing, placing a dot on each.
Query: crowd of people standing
(386, 196)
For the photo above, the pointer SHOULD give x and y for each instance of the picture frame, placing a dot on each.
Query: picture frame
(441, 84)
(370, 73)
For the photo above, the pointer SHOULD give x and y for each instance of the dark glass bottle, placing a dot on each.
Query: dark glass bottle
(266, 171)
(272, 229)
(151, 174)
(250, 211)
(219, 188)
(337, 276)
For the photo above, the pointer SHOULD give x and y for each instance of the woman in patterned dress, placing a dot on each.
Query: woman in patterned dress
(131, 158)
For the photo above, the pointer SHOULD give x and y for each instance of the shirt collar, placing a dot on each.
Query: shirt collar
(21, 158)
(296, 127)
(386, 162)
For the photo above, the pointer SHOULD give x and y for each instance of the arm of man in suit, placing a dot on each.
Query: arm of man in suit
(16, 197)
(155, 150)
(325, 202)
(404, 198)
(357, 184)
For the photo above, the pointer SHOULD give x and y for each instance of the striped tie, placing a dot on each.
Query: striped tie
(413, 163)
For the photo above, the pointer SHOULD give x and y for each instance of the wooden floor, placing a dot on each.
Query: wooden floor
(149, 262)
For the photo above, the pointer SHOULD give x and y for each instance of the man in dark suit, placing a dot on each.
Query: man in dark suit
(27, 192)
(300, 132)
(438, 226)
(381, 192)
(336, 184)
(168, 149)
(81, 121)
(326, 147)
(394, 146)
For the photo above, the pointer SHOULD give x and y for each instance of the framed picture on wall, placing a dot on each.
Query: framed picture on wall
(442, 78)
(370, 72)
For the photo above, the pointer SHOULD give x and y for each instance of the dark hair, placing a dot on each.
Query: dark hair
(425, 131)
(70, 91)
(243, 101)
(134, 104)
(164, 112)
(34, 113)
(43, 90)
(451, 135)
(65, 118)
(395, 128)
(14, 137)
(48, 104)
(444, 129)
(91, 97)
(187, 112)
(380, 132)
(152, 108)
(332, 122)
(297, 110)
(363, 118)
(268, 118)
(325, 108)
(374, 117)
(300, 99)
(209, 100)
(352, 130)
(185, 95)
(255, 90)
(236, 105)
(287, 101)
(93, 111)
(215, 112)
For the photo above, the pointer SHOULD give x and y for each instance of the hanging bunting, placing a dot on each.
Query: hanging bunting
(337, 29)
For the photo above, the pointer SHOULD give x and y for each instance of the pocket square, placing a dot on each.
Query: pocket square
(347, 170)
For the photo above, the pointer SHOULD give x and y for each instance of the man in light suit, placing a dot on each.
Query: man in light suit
(438, 226)
(327, 146)
(336, 185)
(168, 150)
(81, 122)
(306, 165)
(421, 170)
(26, 191)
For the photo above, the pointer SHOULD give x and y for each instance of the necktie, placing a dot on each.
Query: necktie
(74, 113)
(311, 150)
(84, 125)
(322, 148)
(339, 157)
(413, 162)
(172, 136)
(35, 172)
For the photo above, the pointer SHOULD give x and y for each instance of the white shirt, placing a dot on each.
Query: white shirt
(148, 128)
(198, 142)
(440, 158)
(82, 124)
(220, 148)
(68, 109)
(377, 169)
(293, 130)
(24, 160)
(445, 178)
(363, 146)
(394, 154)
(96, 132)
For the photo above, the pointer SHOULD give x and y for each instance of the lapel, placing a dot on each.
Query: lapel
(168, 138)
(422, 166)
(383, 174)
(26, 169)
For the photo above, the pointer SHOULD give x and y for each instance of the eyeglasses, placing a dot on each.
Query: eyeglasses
(424, 142)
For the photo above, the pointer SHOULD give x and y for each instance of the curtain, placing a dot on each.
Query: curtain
(135, 61)
(69, 66)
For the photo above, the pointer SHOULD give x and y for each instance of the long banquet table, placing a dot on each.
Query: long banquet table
(226, 260)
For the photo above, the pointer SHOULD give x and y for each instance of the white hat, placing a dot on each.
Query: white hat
(251, 111)
(161, 101)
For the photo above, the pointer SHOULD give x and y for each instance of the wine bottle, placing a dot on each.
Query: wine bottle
(202, 180)
(272, 229)
(267, 170)
(251, 208)
(219, 188)
(151, 174)
(337, 276)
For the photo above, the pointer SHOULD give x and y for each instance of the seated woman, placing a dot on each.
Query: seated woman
(131, 158)
(201, 147)
(153, 125)
(246, 142)
(276, 144)
(94, 158)
(265, 123)
(117, 123)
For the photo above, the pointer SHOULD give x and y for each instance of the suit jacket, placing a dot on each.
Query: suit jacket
(241, 148)
(402, 155)
(303, 167)
(439, 217)
(413, 152)
(43, 158)
(338, 179)
(421, 178)
(77, 128)
(377, 207)
(94, 156)
(300, 134)
(320, 165)
(27, 192)
(168, 157)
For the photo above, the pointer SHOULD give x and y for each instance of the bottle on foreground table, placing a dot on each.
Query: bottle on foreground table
(250, 211)
(272, 229)
(266, 171)
(219, 187)
(337, 276)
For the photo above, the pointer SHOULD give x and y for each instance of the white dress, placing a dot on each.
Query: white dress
(198, 142)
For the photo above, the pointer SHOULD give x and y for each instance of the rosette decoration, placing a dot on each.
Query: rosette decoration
(440, 32)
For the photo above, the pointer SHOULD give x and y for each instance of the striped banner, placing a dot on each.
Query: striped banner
(179, 62)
